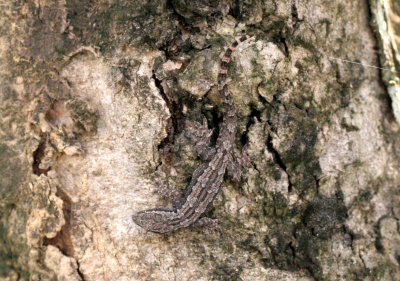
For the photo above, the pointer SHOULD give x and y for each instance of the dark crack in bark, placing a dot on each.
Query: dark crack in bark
(63, 238)
(175, 122)
(278, 160)
(38, 155)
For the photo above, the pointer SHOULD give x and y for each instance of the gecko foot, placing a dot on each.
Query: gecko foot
(237, 162)
(208, 225)
(244, 157)
(201, 135)
(165, 191)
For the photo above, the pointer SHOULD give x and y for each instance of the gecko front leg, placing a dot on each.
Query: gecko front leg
(200, 135)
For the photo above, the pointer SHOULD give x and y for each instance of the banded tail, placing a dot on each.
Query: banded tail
(223, 68)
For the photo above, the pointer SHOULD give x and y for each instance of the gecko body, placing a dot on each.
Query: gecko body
(208, 178)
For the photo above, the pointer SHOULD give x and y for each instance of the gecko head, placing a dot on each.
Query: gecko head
(155, 221)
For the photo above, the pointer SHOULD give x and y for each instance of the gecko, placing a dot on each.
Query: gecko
(207, 179)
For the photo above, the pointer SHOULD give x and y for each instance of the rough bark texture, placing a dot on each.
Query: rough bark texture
(386, 24)
(96, 97)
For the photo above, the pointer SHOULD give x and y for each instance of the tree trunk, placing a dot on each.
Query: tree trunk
(97, 98)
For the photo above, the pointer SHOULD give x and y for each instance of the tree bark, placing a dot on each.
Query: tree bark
(97, 98)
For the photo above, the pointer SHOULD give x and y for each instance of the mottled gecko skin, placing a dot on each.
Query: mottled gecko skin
(208, 178)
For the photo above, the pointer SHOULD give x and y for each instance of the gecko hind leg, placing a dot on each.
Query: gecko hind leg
(236, 163)
(201, 135)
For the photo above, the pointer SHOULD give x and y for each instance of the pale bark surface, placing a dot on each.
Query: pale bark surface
(96, 97)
